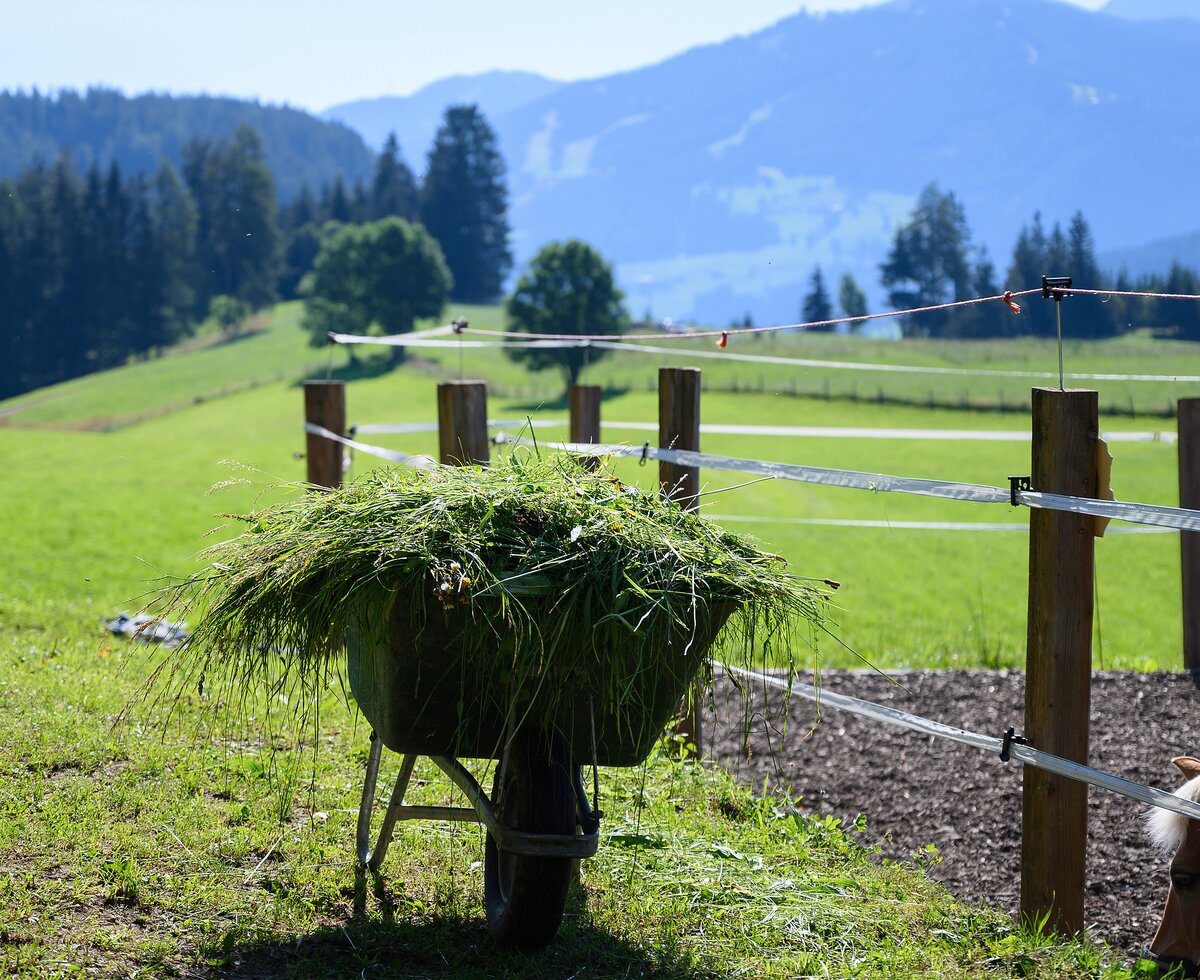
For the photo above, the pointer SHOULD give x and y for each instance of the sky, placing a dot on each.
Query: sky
(313, 54)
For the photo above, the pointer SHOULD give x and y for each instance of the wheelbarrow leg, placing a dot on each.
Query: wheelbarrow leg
(366, 857)
(389, 817)
(363, 836)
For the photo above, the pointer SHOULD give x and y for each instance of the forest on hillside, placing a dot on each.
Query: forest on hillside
(98, 266)
(102, 126)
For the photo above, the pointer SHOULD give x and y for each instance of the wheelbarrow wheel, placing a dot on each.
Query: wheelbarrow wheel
(527, 895)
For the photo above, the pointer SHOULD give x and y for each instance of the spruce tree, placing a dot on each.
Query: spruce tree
(237, 229)
(817, 305)
(464, 204)
(852, 300)
(393, 188)
(928, 263)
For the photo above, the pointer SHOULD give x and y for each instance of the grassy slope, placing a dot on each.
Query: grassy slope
(139, 852)
(910, 597)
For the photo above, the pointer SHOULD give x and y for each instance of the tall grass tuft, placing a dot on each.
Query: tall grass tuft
(550, 585)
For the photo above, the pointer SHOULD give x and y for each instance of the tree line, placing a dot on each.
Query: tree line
(933, 261)
(98, 267)
(103, 126)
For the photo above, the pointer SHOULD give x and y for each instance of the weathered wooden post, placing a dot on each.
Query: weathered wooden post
(1188, 411)
(1059, 656)
(583, 403)
(462, 423)
(324, 405)
(679, 428)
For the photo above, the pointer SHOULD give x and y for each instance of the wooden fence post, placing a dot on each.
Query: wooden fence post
(324, 405)
(584, 406)
(1188, 411)
(462, 423)
(679, 428)
(1059, 657)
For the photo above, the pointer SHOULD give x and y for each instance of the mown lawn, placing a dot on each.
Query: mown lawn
(220, 842)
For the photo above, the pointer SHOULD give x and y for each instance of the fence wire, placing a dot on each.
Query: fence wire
(1021, 752)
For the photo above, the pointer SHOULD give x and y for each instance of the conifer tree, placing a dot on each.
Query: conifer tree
(464, 204)
(928, 263)
(817, 306)
(852, 300)
(393, 188)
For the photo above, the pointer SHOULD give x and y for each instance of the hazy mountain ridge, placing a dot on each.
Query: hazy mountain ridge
(717, 179)
(103, 125)
(415, 118)
(1152, 9)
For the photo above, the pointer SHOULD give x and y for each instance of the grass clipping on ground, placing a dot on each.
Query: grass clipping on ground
(560, 579)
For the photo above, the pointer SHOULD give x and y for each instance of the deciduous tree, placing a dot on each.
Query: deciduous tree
(568, 289)
(374, 278)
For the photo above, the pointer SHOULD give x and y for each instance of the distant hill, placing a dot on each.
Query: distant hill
(717, 179)
(415, 118)
(1152, 9)
(104, 125)
(1156, 256)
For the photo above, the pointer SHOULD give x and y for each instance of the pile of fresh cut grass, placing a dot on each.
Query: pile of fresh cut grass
(534, 571)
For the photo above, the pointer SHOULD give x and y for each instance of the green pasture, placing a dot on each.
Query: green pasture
(111, 475)
(220, 842)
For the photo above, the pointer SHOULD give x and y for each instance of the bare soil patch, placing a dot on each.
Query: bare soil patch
(917, 790)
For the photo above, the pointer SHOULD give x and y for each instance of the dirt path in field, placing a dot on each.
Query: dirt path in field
(916, 790)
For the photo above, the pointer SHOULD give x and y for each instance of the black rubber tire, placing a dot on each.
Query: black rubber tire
(526, 896)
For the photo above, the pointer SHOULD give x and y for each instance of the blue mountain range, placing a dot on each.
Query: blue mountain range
(717, 179)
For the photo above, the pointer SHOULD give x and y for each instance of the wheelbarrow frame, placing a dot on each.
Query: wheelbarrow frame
(414, 690)
(576, 846)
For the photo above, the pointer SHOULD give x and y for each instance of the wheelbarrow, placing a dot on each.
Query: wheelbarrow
(421, 696)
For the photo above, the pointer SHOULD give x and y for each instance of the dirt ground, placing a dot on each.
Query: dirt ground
(917, 790)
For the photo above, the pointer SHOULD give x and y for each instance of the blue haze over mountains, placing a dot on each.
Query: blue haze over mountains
(718, 178)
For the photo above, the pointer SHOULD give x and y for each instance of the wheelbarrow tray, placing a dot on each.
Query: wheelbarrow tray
(423, 694)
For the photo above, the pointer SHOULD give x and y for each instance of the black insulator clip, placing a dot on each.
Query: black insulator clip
(1015, 485)
(1056, 287)
(1011, 738)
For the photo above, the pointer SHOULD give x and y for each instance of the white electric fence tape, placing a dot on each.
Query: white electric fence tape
(1023, 527)
(407, 428)
(804, 474)
(418, 340)
(1174, 518)
(420, 462)
(798, 431)
(853, 432)
(886, 368)
(1177, 518)
(1025, 754)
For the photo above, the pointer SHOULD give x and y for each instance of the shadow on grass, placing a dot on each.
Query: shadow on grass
(392, 944)
(559, 404)
(359, 369)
